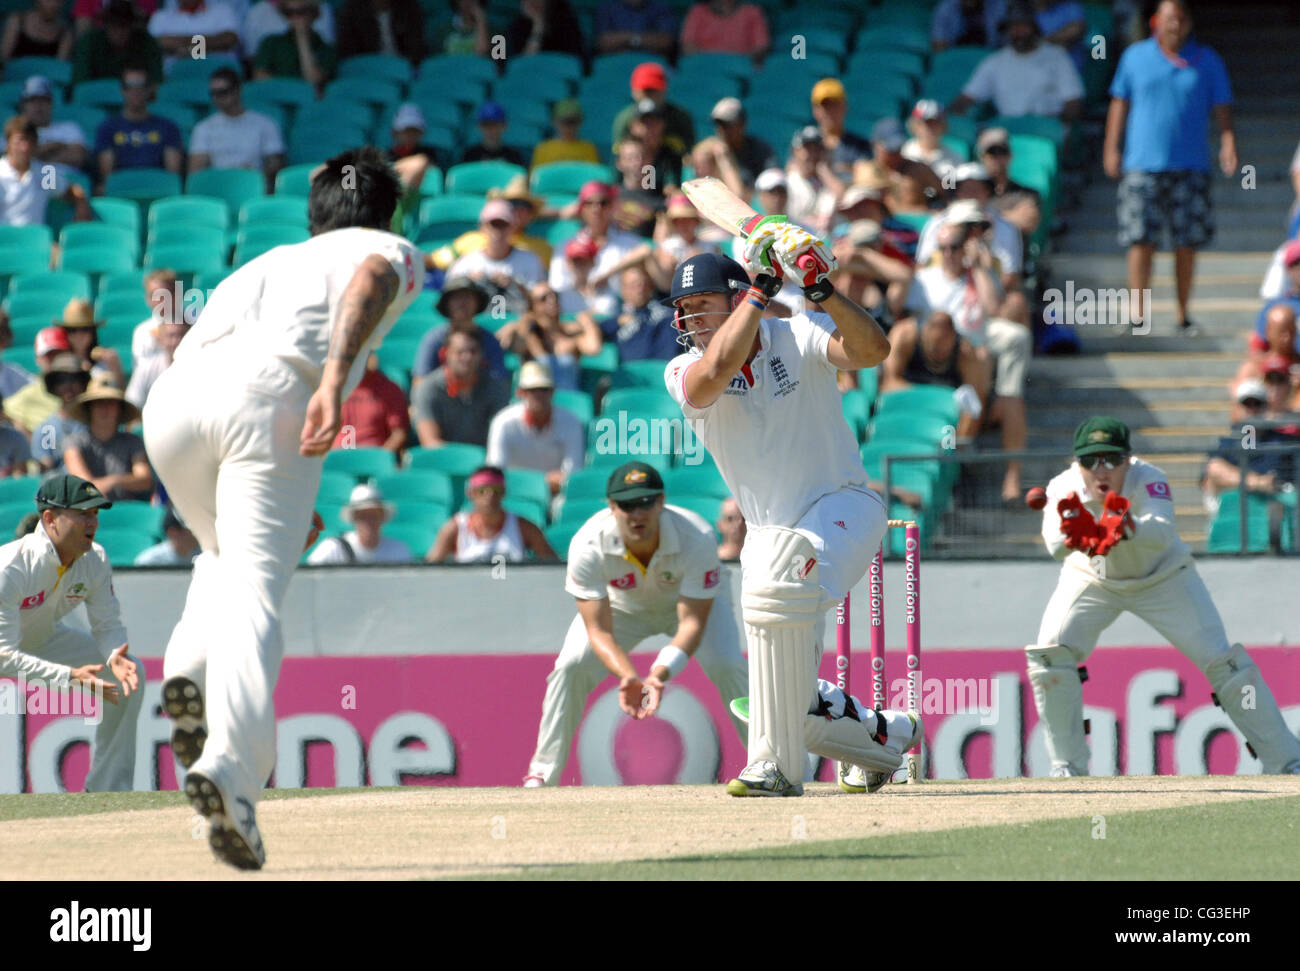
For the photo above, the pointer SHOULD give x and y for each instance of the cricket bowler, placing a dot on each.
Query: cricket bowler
(1110, 516)
(761, 393)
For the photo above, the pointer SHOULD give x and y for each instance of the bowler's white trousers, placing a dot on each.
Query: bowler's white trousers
(222, 432)
(578, 671)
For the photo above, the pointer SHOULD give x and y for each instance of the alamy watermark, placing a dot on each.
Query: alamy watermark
(35, 696)
(1086, 307)
(634, 436)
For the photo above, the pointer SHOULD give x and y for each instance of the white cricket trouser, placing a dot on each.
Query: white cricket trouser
(223, 436)
(844, 552)
(578, 671)
(112, 755)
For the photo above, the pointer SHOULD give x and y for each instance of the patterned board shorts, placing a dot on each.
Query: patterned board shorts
(1150, 203)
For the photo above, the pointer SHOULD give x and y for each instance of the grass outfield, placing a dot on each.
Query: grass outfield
(1258, 840)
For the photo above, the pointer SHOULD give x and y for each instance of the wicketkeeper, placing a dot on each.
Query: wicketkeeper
(1110, 515)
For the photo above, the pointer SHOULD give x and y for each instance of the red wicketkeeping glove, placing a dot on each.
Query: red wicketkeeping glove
(1079, 528)
(1116, 523)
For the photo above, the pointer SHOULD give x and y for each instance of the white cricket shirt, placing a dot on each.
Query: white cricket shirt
(1149, 555)
(514, 444)
(283, 304)
(36, 593)
(685, 565)
(778, 433)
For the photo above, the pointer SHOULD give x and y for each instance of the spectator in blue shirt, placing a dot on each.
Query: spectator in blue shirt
(960, 23)
(460, 302)
(136, 139)
(643, 327)
(67, 381)
(1063, 23)
(1164, 92)
(635, 25)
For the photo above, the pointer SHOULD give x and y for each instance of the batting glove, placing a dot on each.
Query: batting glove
(757, 256)
(808, 260)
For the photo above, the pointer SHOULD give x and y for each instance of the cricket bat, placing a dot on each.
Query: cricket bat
(722, 207)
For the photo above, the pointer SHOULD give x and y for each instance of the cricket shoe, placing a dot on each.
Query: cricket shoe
(232, 835)
(183, 703)
(763, 778)
(856, 779)
(534, 782)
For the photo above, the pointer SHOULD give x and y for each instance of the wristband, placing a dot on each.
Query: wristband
(820, 291)
(756, 298)
(769, 284)
(673, 658)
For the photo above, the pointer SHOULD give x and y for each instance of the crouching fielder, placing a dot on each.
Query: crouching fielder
(762, 396)
(1110, 515)
(638, 569)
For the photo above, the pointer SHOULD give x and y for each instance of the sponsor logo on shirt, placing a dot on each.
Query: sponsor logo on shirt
(782, 377)
(807, 567)
(410, 271)
(840, 524)
(33, 601)
(711, 579)
(626, 582)
(1159, 490)
(78, 592)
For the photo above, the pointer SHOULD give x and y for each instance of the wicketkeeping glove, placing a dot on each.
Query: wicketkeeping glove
(757, 255)
(1116, 523)
(807, 260)
(1079, 528)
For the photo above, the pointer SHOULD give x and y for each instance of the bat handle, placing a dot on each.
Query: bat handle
(806, 262)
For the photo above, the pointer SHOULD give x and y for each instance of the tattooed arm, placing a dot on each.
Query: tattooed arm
(367, 296)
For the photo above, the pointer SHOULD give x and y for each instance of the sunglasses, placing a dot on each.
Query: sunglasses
(499, 224)
(952, 247)
(135, 84)
(1107, 460)
(632, 505)
(499, 490)
(220, 92)
(997, 150)
(599, 203)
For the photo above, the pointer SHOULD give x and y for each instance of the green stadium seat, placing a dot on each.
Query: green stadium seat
(576, 511)
(336, 488)
(468, 66)
(560, 535)
(586, 483)
(1041, 125)
(418, 537)
(640, 374)
(105, 94)
(450, 207)
(189, 210)
(704, 506)
(234, 186)
(118, 212)
(122, 546)
(442, 232)
(437, 112)
(556, 232)
(335, 110)
(568, 177)
(122, 303)
(96, 260)
(200, 68)
(641, 402)
(528, 485)
(617, 68)
(594, 368)
(545, 64)
(322, 141)
(869, 60)
(1225, 528)
(290, 93)
(168, 234)
(141, 517)
(418, 512)
(685, 481)
(926, 399)
(23, 250)
(367, 462)
(25, 328)
(393, 70)
(459, 90)
(611, 459)
(856, 406)
(421, 485)
(541, 89)
(57, 71)
(185, 116)
(398, 352)
(47, 290)
(476, 178)
(142, 185)
(11, 514)
(577, 402)
(456, 459)
(85, 117)
(278, 209)
(295, 180)
(900, 427)
(188, 261)
(80, 235)
(255, 244)
(20, 489)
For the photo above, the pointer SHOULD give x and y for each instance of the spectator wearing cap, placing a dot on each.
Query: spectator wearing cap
(393, 27)
(25, 188)
(367, 512)
(1164, 92)
(1282, 281)
(12, 377)
(524, 205)
(82, 327)
(677, 236)
(535, 433)
(1017, 204)
(909, 185)
(491, 120)
(933, 353)
(266, 18)
(409, 155)
(812, 186)
(457, 401)
(966, 23)
(844, 149)
(642, 329)
(576, 262)
(928, 124)
(726, 26)
(137, 138)
(178, 548)
(635, 25)
(57, 142)
(973, 192)
(616, 250)
(545, 25)
(104, 50)
(567, 145)
(868, 275)
(112, 460)
(65, 382)
(487, 531)
(375, 414)
(178, 28)
(167, 336)
(964, 284)
(468, 32)
(31, 404)
(638, 204)
(41, 31)
(540, 335)
(298, 52)
(650, 81)
(1256, 403)
(737, 155)
(461, 300)
(1027, 77)
(648, 126)
(500, 267)
(233, 137)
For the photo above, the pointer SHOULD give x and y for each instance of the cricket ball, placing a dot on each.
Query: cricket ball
(1036, 498)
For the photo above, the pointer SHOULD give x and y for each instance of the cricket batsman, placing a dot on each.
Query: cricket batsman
(1110, 516)
(237, 429)
(637, 569)
(762, 395)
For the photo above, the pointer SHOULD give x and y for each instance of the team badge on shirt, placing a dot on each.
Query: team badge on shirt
(35, 600)
(1159, 490)
(782, 377)
(78, 592)
(626, 582)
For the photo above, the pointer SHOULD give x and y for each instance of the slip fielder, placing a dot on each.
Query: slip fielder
(1110, 516)
(637, 569)
(237, 428)
(762, 394)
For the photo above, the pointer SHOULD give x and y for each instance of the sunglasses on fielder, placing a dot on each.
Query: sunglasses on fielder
(1107, 460)
(632, 505)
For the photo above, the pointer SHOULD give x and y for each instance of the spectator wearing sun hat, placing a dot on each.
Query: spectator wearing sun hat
(566, 146)
(491, 121)
(928, 124)
(112, 460)
(367, 512)
(535, 433)
(649, 80)
(844, 149)
(82, 327)
(31, 404)
(462, 299)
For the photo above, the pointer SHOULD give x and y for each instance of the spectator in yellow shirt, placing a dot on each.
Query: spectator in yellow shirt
(525, 206)
(566, 146)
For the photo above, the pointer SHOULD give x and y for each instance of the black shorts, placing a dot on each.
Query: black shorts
(1150, 203)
